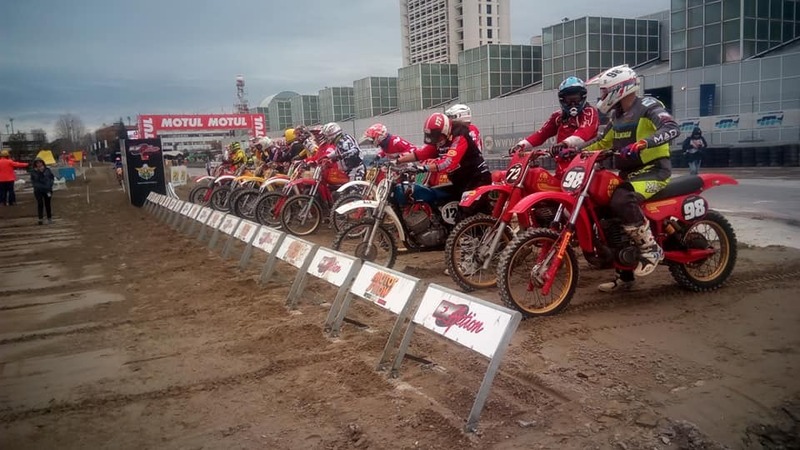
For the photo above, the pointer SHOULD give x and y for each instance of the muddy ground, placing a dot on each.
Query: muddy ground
(117, 332)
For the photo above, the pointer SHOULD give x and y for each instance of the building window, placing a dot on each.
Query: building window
(488, 9)
(489, 21)
(489, 33)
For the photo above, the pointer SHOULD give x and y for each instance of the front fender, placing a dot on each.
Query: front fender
(204, 178)
(716, 179)
(353, 183)
(470, 197)
(583, 226)
(223, 178)
(372, 204)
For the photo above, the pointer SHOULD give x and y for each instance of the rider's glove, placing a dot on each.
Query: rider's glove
(520, 146)
(631, 150)
(334, 158)
(556, 149)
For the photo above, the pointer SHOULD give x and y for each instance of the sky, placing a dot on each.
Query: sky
(106, 59)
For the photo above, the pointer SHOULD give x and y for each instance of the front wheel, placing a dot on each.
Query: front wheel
(243, 203)
(467, 249)
(219, 198)
(199, 194)
(354, 240)
(522, 269)
(301, 215)
(711, 232)
(268, 209)
(339, 221)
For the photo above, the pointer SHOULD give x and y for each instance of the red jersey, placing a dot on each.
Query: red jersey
(460, 161)
(395, 145)
(325, 150)
(475, 134)
(7, 166)
(584, 127)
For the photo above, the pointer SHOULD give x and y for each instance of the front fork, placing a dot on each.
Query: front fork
(493, 245)
(307, 207)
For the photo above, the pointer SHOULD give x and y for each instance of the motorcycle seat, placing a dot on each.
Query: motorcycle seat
(679, 186)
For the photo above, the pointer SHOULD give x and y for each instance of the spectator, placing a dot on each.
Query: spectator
(693, 148)
(8, 177)
(42, 180)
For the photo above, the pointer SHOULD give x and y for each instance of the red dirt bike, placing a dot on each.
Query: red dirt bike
(270, 203)
(201, 193)
(474, 244)
(538, 271)
(302, 215)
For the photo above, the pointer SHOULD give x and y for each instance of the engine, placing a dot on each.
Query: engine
(620, 244)
(424, 226)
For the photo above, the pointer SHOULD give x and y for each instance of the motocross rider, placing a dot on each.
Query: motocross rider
(388, 143)
(346, 151)
(294, 147)
(641, 129)
(461, 115)
(452, 152)
(237, 154)
(573, 125)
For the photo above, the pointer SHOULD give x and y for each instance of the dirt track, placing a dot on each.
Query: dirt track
(117, 332)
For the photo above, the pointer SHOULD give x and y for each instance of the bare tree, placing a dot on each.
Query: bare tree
(70, 128)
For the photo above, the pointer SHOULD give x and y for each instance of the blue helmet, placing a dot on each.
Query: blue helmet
(572, 85)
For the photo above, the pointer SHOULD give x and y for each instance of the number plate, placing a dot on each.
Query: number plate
(513, 174)
(694, 208)
(573, 179)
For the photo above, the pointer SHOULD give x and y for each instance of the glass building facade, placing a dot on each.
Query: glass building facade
(279, 109)
(585, 47)
(336, 104)
(713, 32)
(305, 110)
(492, 70)
(424, 85)
(374, 96)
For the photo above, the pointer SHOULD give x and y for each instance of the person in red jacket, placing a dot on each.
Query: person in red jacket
(8, 177)
(573, 125)
(461, 114)
(451, 152)
(388, 144)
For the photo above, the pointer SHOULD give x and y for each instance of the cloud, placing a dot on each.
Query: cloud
(101, 60)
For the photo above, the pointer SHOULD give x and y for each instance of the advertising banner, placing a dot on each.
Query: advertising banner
(246, 230)
(267, 238)
(331, 266)
(707, 95)
(294, 251)
(179, 175)
(229, 224)
(152, 124)
(458, 318)
(387, 289)
(730, 122)
(143, 162)
(687, 125)
(769, 119)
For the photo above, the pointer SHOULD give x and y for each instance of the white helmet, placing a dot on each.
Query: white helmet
(459, 113)
(265, 142)
(615, 84)
(331, 131)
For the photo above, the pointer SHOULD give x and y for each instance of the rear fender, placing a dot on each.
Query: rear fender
(372, 204)
(204, 178)
(470, 197)
(716, 179)
(583, 226)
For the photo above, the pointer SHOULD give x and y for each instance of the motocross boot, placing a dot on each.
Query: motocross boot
(623, 282)
(650, 253)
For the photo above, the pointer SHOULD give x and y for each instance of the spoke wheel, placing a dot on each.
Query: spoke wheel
(292, 212)
(520, 285)
(711, 232)
(352, 240)
(267, 209)
(467, 249)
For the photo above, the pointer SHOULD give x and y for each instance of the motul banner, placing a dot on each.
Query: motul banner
(151, 125)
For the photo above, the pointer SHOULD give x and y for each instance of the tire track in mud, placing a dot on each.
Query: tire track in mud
(640, 298)
(174, 391)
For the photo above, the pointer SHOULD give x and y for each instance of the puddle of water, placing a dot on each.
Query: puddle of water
(31, 311)
(35, 382)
